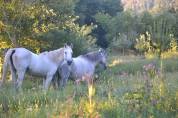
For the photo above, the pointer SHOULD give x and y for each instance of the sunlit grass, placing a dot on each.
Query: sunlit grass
(115, 62)
(113, 94)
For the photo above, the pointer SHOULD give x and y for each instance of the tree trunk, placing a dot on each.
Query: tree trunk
(11, 34)
(14, 42)
(13, 39)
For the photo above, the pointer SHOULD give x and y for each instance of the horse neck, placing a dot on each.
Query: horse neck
(93, 57)
(97, 60)
(57, 55)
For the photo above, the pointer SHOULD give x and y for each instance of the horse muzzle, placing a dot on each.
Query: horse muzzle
(69, 62)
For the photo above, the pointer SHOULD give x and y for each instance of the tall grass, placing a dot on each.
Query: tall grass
(123, 90)
(133, 67)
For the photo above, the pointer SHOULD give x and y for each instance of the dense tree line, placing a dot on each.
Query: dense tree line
(42, 25)
(46, 24)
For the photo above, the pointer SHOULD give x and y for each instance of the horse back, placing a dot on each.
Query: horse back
(81, 67)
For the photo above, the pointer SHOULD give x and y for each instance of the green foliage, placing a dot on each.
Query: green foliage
(169, 65)
(86, 10)
(159, 26)
(119, 28)
(121, 43)
(159, 33)
(103, 19)
(63, 7)
(22, 21)
(146, 21)
(66, 29)
(42, 25)
(162, 28)
(152, 96)
(57, 38)
(145, 44)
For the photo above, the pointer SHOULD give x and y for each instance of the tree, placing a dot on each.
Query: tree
(159, 33)
(67, 29)
(87, 9)
(40, 25)
(119, 27)
(20, 21)
(163, 27)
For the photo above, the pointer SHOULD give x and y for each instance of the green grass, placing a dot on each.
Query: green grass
(116, 95)
(133, 67)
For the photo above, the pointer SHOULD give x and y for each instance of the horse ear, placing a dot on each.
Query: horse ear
(65, 45)
(101, 50)
(71, 45)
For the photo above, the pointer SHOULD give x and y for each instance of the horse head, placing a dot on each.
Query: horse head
(68, 53)
(102, 56)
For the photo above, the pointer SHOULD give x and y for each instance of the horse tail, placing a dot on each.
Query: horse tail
(7, 60)
(11, 60)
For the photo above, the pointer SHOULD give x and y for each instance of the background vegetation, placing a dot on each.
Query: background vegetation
(111, 24)
(140, 37)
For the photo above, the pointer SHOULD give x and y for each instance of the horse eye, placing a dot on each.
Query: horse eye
(65, 52)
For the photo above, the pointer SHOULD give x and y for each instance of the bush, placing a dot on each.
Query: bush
(57, 38)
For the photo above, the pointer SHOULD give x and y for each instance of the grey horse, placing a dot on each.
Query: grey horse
(81, 66)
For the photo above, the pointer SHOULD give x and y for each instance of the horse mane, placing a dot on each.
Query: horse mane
(55, 55)
(91, 56)
(56, 51)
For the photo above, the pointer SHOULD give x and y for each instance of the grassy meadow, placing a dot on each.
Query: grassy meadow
(131, 87)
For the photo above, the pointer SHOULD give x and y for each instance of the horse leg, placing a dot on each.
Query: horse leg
(62, 82)
(20, 78)
(49, 77)
(54, 81)
(44, 81)
(13, 75)
(64, 73)
(64, 78)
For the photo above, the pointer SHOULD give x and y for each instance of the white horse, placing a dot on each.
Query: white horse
(81, 66)
(44, 64)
